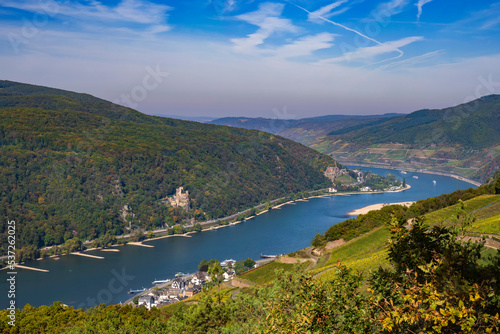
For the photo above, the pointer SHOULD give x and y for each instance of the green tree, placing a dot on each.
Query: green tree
(319, 240)
(438, 283)
(301, 304)
(249, 263)
(215, 271)
(203, 266)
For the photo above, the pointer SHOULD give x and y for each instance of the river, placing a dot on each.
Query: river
(84, 282)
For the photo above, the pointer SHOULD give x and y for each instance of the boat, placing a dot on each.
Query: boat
(160, 281)
(434, 181)
(403, 172)
(131, 291)
(263, 256)
(179, 274)
(415, 177)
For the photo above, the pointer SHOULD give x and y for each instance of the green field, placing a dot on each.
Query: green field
(488, 225)
(366, 252)
(266, 274)
(471, 206)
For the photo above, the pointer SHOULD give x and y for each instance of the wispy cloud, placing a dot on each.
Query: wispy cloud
(268, 19)
(304, 46)
(484, 19)
(326, 11)
(368, 53)
(420, 4)
(390, 8)
(126, 11)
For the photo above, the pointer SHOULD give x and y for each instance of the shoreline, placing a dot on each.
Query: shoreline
(366, 209)
(292, 202)
(216, 227)
(425, 171)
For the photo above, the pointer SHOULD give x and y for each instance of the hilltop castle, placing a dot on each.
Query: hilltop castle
(180, 199)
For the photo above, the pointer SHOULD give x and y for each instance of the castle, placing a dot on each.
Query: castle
(334, 172)
(180, 199)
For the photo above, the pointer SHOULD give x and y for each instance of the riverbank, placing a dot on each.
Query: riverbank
(366, 209)
(409, 169)
(215, 224)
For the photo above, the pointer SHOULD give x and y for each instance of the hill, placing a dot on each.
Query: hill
(463, 140)
(73, 165)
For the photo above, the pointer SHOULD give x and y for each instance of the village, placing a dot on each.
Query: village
(182, 287)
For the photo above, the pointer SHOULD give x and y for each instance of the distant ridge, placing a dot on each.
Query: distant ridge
(463, 140)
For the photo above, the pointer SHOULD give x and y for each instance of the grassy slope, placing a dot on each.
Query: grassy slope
(368, 252)
(266, 273)
(481, 207)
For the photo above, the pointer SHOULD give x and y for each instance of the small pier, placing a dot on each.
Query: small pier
(131, 291)
(139, 244)
(88, 255)
(31, 268)
(264, 256)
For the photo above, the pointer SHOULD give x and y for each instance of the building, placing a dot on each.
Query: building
(146, 300)
(191, 291)
(228, 275)
(333, 172)
(200, 278)
(177, 288)
(180, 199)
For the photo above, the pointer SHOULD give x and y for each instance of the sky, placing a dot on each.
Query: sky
(274, 59)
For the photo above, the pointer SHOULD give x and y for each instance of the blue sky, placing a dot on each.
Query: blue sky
(285, 59)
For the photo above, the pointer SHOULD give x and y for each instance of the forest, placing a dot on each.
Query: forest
(76, 167)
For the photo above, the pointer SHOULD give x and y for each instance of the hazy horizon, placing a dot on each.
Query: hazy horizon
(271, 59)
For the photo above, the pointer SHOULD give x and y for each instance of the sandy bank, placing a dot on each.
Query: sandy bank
(379, 206)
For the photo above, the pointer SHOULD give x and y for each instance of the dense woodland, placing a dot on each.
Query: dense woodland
(473, 125)
(76, 167)
(462, 140)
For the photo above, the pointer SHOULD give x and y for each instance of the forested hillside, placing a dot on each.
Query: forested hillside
(463, 140)
(72, 165)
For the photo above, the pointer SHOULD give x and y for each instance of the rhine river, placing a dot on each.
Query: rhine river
(84, 282)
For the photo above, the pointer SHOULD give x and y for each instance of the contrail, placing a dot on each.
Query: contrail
(401, 53)
(335, 23)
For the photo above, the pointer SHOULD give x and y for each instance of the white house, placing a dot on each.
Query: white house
(200, 278)
(228, 275)
(147, 301)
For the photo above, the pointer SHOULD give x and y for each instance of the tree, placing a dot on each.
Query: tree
(438, 283)
(215, 271)
(203, 266)
(497, 186)
(319, 240)
(249, 263)
(301, 304)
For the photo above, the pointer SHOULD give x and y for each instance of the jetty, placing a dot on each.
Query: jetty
(31, 268)
(88, 255)
(131, 291)
(139, 244)
(264, 256)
